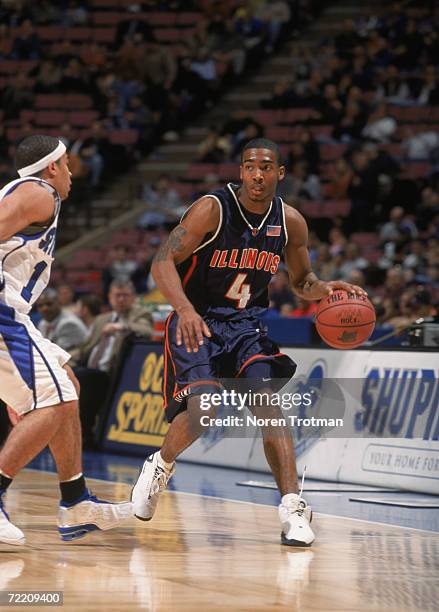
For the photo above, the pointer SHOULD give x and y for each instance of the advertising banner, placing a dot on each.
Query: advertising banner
(136, 421)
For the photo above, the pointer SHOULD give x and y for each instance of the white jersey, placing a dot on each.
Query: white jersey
(26, 260)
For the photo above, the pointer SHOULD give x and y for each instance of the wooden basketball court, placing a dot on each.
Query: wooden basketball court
(202, 553)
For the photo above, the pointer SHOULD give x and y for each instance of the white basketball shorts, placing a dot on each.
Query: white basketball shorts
(31, 367)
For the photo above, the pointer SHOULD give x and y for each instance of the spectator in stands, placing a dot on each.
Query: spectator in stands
(96, 358)
(250, 27)
(380, 125)
(141, 277)
(339, 185)
(415, 257)
(329, 106)
(47, 77)
(392, 87)
(285, 95)
(337, 241)
(75, 78)
(353, 260)
(120, 268)
(276, 15)
(57, 325)
(76, 13)
(363, 191)
(229, 48)
(17, 96)
(133, 29)
(27, 45)
(420, 146)
(162, 193)
(300, 184)
(399, 226)
(215, 148)
(89, 307)
(303, 308)
(350, 125)
(66, 298)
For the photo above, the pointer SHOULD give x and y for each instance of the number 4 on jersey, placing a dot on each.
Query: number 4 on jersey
(239, 291)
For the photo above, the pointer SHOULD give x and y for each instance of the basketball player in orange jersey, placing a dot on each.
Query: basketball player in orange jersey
(35, 379)
(215, 269)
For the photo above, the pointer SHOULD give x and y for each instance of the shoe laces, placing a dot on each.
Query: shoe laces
(298, 506)
(159, 480)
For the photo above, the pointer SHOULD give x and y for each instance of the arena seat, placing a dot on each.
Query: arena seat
(83, 118)
(123, 136)
(104, 35)
(55, 117)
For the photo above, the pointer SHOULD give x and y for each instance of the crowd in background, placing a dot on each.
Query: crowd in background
(135, 81)
(352, 83)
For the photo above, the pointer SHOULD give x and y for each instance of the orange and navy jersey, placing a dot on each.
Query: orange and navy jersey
(229, 273)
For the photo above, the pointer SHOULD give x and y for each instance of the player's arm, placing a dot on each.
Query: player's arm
(29, 203)
(203, 218)
(304, 282)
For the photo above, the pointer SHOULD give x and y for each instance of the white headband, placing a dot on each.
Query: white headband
(44, 161)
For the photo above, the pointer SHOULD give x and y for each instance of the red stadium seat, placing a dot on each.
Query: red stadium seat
(77, 101)
(267, 117)
(161, 19)
(83, 118)
(188, 18)
(50, 33)
(336, 208)
(123, 137)
(197, 172)
(26, 116)
(168, 35)
(330, 152)
(107, 18)
(50, 118)
(108, 4)
(78, 34)
(104, 35)
(227, 171)
(48, 101)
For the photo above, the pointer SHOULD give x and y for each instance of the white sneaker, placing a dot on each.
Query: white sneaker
(90, 514)
(152, 480)
(295, 516)
(9, 533)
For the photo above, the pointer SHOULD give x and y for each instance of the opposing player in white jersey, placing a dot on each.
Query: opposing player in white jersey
(35, 379)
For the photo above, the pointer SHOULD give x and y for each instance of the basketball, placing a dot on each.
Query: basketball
(345, 320)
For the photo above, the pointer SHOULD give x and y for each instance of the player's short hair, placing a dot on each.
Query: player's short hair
(122, 284)
(263, 143)
(32, 149)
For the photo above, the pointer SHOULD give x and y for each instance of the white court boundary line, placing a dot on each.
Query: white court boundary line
(238, 501)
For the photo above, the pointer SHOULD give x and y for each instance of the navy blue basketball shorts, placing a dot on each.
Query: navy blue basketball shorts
(237, 348)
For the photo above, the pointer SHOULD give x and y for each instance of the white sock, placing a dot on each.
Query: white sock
(289, 497)
(167, 466)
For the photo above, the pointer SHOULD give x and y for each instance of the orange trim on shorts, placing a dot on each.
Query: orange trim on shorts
(254, 357)
(167, 356)
(190, 271)
(198, 382)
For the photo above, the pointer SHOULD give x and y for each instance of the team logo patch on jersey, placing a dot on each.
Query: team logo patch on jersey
(273, 230)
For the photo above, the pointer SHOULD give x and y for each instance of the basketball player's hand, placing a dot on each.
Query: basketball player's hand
(190, 329)
(339, 284)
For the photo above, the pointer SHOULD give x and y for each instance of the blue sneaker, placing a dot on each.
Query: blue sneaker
(9, 533)
(89, 513)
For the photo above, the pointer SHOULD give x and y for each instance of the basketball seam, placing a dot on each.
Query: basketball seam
(320, 312)
(347, 327)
